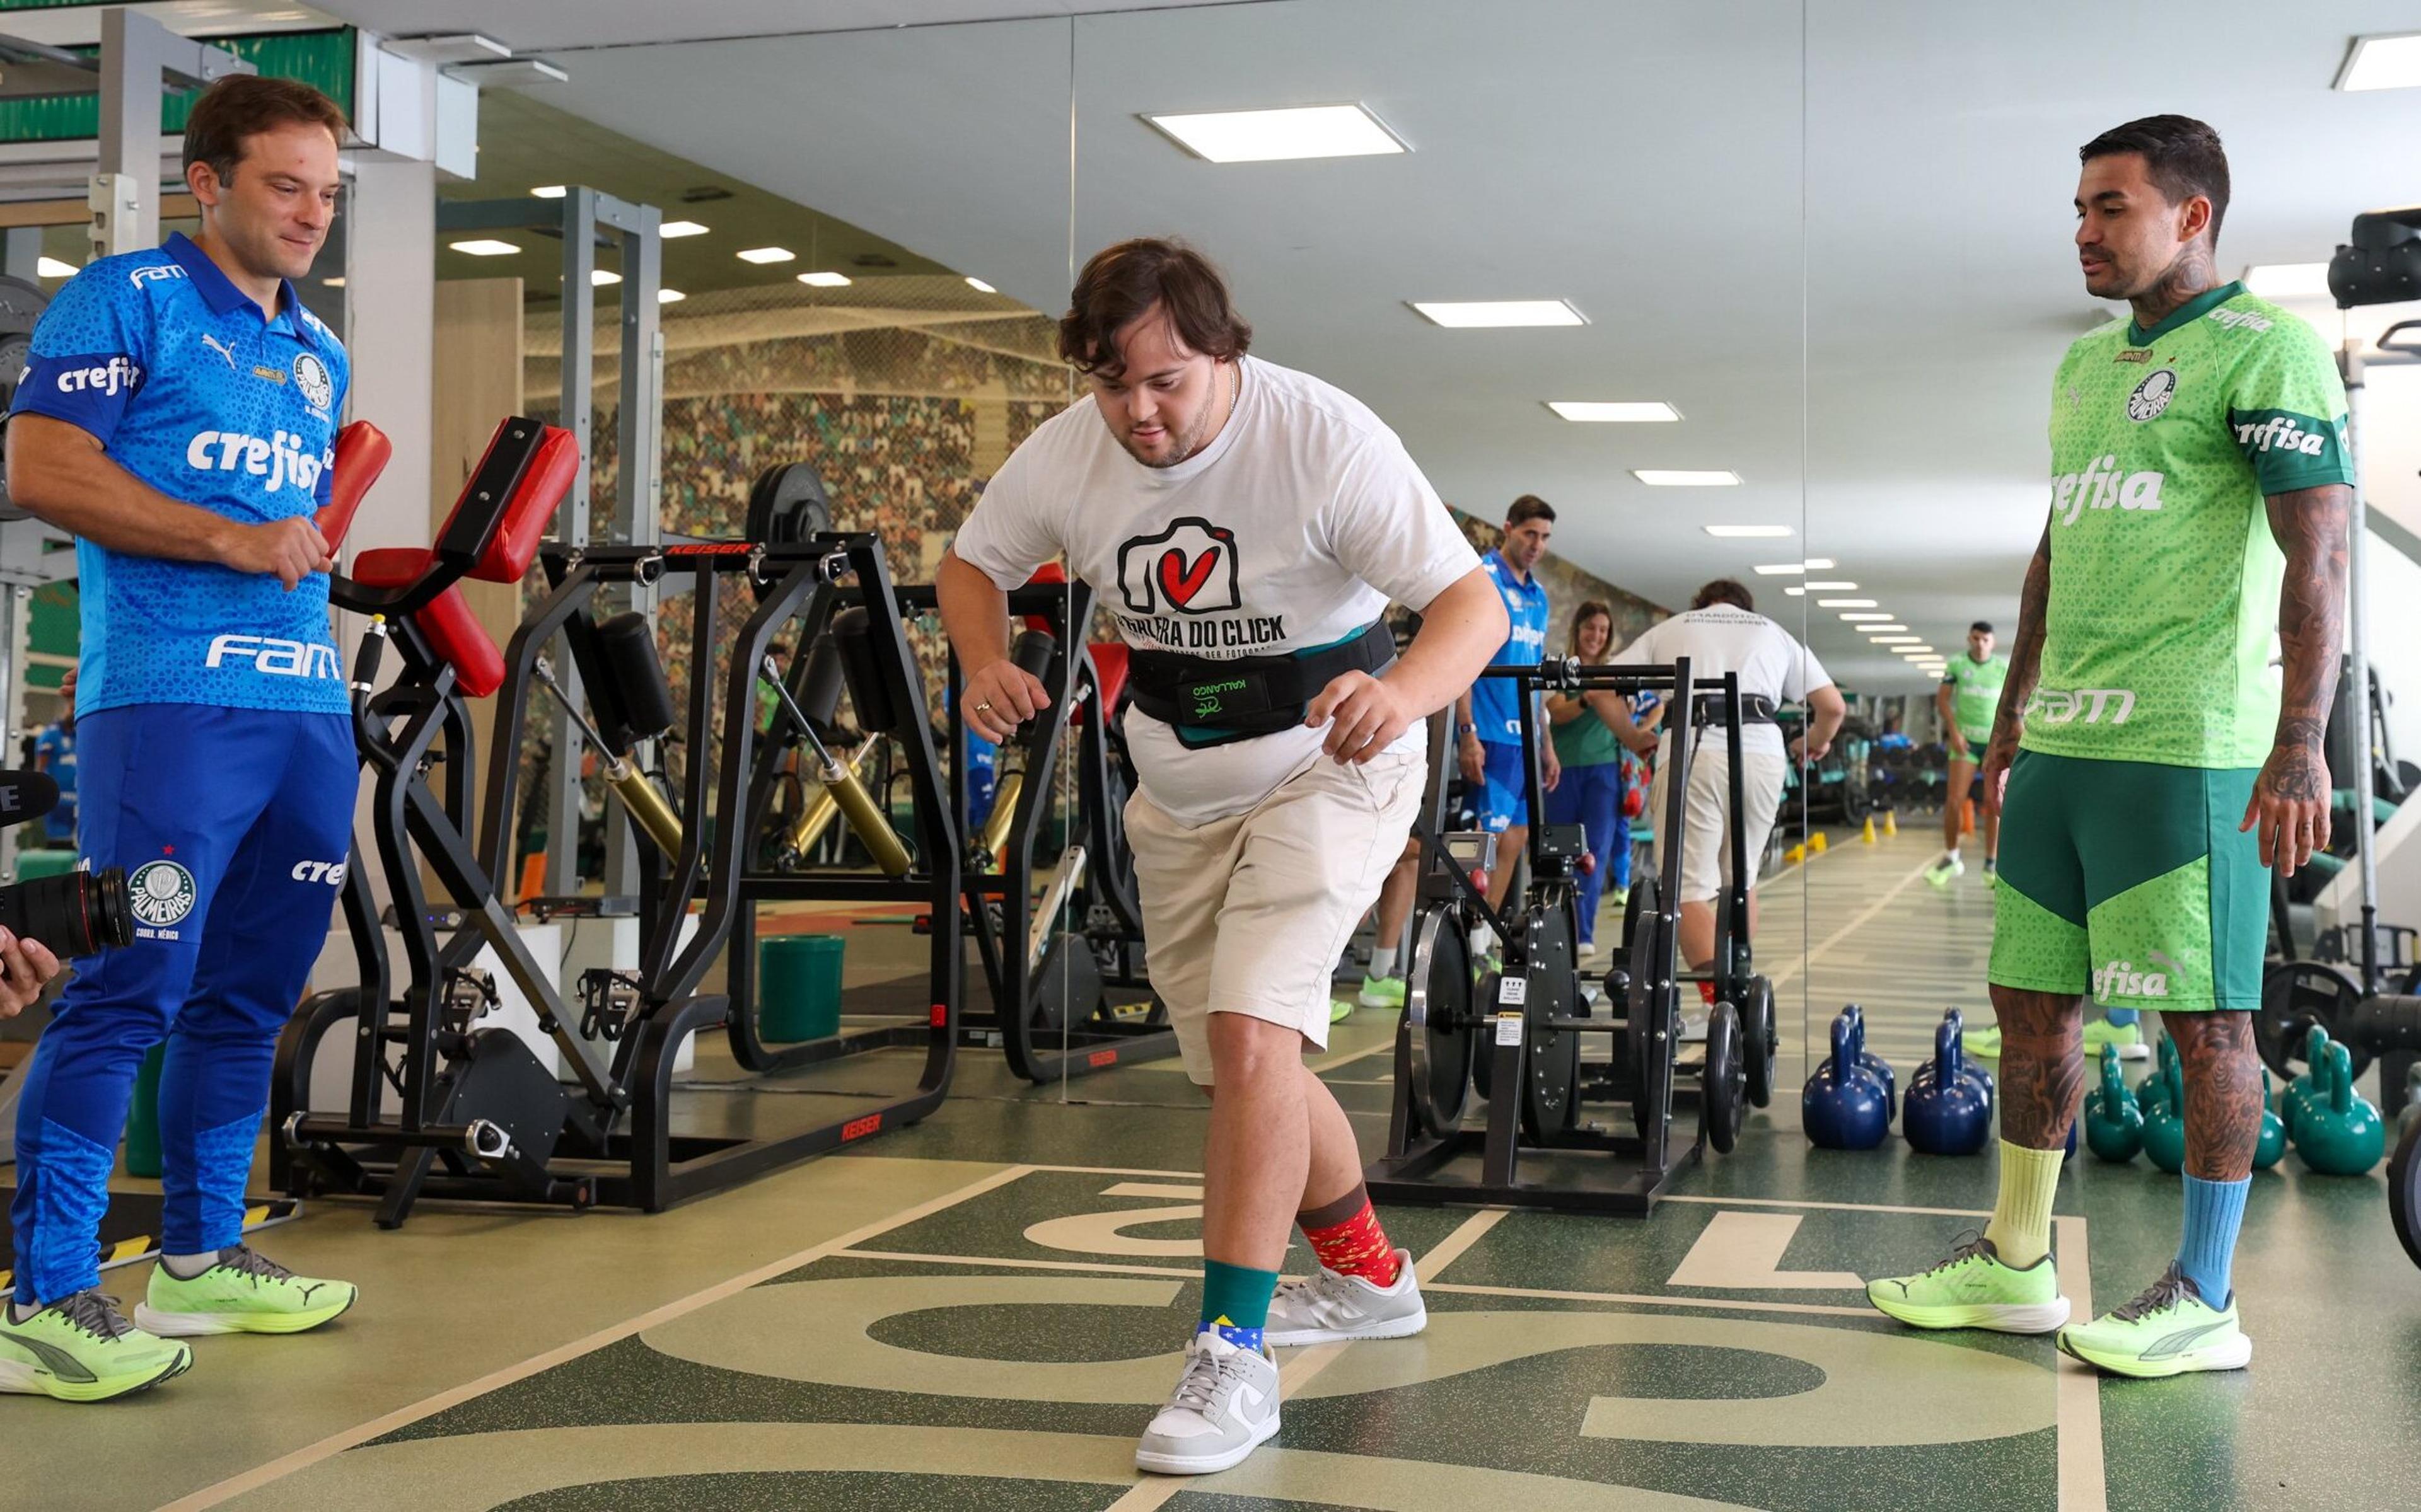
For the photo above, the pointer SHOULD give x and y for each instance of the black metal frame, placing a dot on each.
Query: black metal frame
(1426, 1165)
(617, 1146)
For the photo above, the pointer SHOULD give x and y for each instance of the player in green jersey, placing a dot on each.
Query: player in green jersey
(1970, 692)
(2151, 763)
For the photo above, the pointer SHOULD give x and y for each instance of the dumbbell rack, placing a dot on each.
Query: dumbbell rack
(1531, 1149)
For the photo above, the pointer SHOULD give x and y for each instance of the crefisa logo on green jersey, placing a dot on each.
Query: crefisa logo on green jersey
(2281, 433)
(2102, 486)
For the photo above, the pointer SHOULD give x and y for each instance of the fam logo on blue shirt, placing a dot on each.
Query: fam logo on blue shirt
(192, 389)
(1493, 707)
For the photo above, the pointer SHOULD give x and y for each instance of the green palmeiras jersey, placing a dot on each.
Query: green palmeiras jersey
(2165, 576)
(1975, 693)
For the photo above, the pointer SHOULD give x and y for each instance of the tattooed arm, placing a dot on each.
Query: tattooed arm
(2025, 666)
(2290, 799)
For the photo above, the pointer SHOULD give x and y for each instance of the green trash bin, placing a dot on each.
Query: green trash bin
(798, 987)
(143, 1117)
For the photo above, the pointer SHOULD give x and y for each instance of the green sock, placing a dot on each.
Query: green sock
(2020, 1225)
(1236, 1301)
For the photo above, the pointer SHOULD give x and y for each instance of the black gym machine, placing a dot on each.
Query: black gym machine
(1517, 1034)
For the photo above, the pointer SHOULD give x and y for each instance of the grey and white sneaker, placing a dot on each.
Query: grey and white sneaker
(1224, 1405)
(1329, 1308)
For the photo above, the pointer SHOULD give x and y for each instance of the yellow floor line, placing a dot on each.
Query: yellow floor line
(2083, 1479)
(1451, 1248)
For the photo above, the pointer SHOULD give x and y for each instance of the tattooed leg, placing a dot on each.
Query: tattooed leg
(2223, 1081)
(2042, 1064)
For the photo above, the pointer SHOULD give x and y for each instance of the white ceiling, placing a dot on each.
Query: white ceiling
(1646, 162)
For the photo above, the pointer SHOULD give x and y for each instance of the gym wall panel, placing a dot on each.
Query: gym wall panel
(477, 372)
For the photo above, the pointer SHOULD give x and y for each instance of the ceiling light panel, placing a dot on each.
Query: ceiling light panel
(1860, 616)
(1644, 412)
(675, 230)
(2288, 280)
(1745, 532)
(485, 247)
(1832, 586)
(824, 280)
(979, 285)
(52, 268)
(765, 254)
(1281, 136)
(1779, 570)
(1465, 315)
(2382, 63)
(548, 191)
(1683, 477)
(669, 296)
(1845, 604)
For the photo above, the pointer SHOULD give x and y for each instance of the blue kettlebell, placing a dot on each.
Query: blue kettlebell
(1842, 1105)
(1972, 1069)
(2273, 1145)
(1873, 1062)
(2164, 1125)
(1946, 1113)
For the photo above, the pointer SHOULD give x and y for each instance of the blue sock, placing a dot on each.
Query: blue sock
(1236, 1301)
(2121, 1018)
(2207, 1252)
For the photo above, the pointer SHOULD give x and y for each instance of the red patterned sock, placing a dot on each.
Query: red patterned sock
(1706, 991)
(1346, 1236)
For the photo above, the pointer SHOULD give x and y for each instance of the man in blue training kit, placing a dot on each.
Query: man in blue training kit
(179, 415)
(1488, 719)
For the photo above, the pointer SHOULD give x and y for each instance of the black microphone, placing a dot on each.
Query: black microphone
(27, 795)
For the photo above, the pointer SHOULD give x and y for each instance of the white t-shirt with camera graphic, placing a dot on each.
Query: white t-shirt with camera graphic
(1292, 530)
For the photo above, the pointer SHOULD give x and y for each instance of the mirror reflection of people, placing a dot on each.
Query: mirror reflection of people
(1490, 716)
(1590, 791)
(1261, 520)
(2153, 771)
(1721, 633)
(1970, 690)
(219, 775)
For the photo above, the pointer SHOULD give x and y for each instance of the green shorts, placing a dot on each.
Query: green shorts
(1974, 752)
(2130, 881)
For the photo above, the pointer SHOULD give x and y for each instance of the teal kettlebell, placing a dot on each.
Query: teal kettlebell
(2411, 1113)
(2114, 1126)
(2273, 1147)
(2164, 1127)
(2154, 1092)
(2308, 1092)
(2344, 1136)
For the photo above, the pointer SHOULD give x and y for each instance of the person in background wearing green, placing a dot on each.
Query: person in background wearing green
(1970, 692)
(1590, 794)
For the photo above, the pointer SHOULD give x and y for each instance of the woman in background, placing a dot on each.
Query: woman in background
(1591, 793)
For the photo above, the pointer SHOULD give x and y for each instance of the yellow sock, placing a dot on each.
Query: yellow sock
(2020, 1225)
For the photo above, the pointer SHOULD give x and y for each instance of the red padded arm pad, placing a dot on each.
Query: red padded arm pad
(1049, 575)
(362, 453)
(454, 632)
(515, 544)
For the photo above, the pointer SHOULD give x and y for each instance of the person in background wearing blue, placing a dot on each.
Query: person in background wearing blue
(55, 752)
(178, 416)
(1488, 719)
(1595, 781)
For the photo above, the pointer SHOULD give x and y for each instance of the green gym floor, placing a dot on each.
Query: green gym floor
(981, 1312)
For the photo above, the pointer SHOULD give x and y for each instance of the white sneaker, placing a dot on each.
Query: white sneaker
(1225, 1406)
(1329, 1308)
(1694, 1024)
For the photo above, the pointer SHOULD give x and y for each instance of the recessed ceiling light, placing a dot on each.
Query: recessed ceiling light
(603, 277)
(1823, 588)
(1779, 570)
(54, 268)
(1683, 477)
(324, 283)
(1918, 651)
(485, 247)
(767, 254)
(1845, 604)
(669, 296)
(1280, 135)
(2391, 62)
(1646, 412)
(1897, 640)
(1860, 616)
(547, 192)
(825, 280)
(1818, 564)
(1870, 629)
(979, 285)
(2288, 280)
(672, 231)
(1467, 314)
(1745, 532)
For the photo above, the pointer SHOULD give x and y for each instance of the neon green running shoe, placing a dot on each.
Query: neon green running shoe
(2167, 1330)
(1984, 1042)
(1339, 1010)
(1942, 871)
(1974, 1289)
(2129, 1038)
(244, 1293)
(81, 1348)
(1383, 992)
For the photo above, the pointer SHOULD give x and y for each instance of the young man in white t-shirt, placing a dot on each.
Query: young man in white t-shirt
(1723, 633)
(1246, 527)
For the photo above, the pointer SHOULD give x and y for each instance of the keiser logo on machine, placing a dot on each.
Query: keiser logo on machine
(277, 658)
(2053, 705)
(2102, 486)
(280, 459)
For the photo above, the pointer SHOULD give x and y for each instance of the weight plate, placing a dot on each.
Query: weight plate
(788, 503)
(2296, 994)
(1437, 1019)
(1639, 947)
(1551, 965)
(1065, 960)
(1722, 1085)
(1758, 1041)
(2404, 1190)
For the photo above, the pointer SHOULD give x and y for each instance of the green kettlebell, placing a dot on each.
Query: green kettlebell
(2153, 1094)
(2344, 1136)
(2273, 1147)
(2164, 1130)
(2308, 1092)
(2114, 1126)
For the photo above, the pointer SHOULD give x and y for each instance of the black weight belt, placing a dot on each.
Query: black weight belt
(1213, 703)
(1707, 709)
